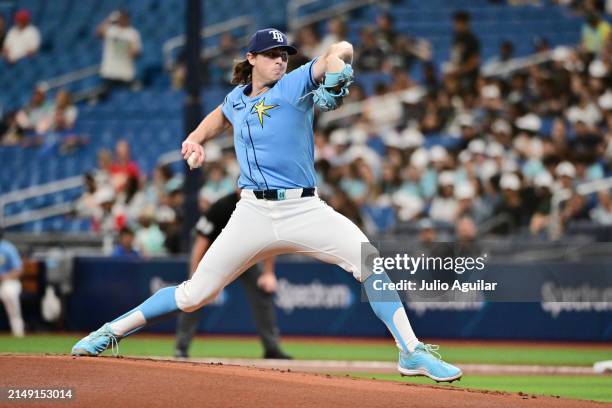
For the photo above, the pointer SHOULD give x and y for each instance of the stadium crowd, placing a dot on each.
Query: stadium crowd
(471, 140)
(491, 147)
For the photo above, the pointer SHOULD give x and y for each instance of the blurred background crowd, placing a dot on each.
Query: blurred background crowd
(494, 139)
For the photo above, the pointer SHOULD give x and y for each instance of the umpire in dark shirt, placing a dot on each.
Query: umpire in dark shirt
(259, 285)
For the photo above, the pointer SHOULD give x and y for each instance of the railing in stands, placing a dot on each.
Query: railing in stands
(58, 186)
(168, 47)
(215, 29)
(65, 79)
(73, 76)
(516, 64)
(38, 191)
(295, 22)
(555, 230)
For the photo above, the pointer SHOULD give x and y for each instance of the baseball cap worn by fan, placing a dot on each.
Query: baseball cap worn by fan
(22, 17)
(269, 38)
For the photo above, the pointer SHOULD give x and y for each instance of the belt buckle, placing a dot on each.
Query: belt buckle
(280, 194)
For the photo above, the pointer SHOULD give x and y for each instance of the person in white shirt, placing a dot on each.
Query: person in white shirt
(22, 40)
(122, 46)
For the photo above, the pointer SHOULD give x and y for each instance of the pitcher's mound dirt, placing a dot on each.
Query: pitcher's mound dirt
(125, 382)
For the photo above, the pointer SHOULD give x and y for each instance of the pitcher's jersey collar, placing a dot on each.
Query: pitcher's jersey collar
(249, 87)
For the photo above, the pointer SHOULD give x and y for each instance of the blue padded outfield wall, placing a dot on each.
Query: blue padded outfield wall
(317, 299)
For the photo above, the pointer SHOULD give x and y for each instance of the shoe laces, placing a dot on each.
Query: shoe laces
(114, 342)
(114, 345)
(432, 349)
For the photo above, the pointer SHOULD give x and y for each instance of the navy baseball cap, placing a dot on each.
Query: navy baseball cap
(269, 38)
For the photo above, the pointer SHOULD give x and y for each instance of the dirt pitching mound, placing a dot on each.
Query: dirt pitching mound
(126, 382)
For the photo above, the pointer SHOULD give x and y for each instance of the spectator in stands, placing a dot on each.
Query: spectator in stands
(401, 50)
(218, 184)
(106, 219)
(510, 213)
(175, 197)
(370, 55)
(11, 269)
(469, 203)
(54, 129)
(543, 184)
(170, 225)
(595, 32)
(602, 214)
(102, 174)
(149, 239)
(466, 234)
(31, 118)
(390, 181)
(336, 32)
(427, 234)
(131, 200)
(22, 40)
(541, 44)
(86, 205)
(64, 111)
(308, 41)
(122, 45)
(465, 52)
(125, 246)
(155, 189)
(64, 117)
(10, 131)
(123, 166)
(500, 61)
(444, 206)
(383, 111)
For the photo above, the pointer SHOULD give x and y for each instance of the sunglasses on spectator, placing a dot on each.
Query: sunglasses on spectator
(275, 53)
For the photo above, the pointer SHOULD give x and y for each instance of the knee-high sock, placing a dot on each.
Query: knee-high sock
(392, 313)
(158, 307)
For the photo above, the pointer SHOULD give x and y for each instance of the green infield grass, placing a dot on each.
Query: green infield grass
(597, 388)
(321, 349)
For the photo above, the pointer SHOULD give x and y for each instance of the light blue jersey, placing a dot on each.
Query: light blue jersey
(273, 132)
(9, 257)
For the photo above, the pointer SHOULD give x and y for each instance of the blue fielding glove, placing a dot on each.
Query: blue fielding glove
(329, 95)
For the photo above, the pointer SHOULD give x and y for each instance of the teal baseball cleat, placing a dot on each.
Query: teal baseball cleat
(426, 361)
(96, 342)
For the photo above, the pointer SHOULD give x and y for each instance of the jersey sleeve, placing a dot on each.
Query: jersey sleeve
(226, 108)
(13, 258)
(232, 103)
(295, 85)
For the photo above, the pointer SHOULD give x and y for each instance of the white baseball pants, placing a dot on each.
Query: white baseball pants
(259, 229)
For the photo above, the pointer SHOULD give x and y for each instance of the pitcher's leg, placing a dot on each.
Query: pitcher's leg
(247, 239)
(329, 236)
(242, 243)
(239, 245)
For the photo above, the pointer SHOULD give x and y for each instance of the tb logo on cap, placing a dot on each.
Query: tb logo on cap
(277, 35)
